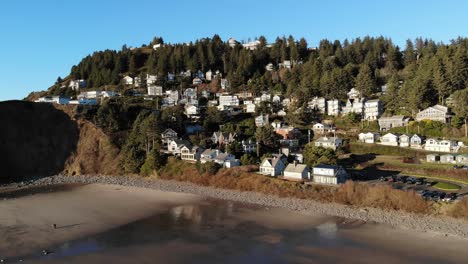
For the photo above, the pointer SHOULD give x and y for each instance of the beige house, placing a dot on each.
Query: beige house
(329, 174)
(297, 171)
(435, 113)
(272, 167)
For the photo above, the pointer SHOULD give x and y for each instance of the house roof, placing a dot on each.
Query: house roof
(396, 117)
(327, 139)
(327, 166)
(169, 131)
(440, 108)
(181, 142)
(296, 168)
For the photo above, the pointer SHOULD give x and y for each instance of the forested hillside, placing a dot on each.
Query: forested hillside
(421, 74)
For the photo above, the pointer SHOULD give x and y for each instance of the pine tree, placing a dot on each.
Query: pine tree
(365, 82)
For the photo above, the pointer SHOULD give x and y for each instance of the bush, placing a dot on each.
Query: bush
(153, 162)
(209, 167)
(460, 209)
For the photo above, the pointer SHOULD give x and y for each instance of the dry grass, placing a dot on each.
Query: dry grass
(460, 209)
(351, 193)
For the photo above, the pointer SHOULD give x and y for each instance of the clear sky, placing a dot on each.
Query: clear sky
(41, 40)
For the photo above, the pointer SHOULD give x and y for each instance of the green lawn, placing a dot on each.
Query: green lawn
(447, 186)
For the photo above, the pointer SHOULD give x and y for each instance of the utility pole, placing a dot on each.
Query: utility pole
(309, 135)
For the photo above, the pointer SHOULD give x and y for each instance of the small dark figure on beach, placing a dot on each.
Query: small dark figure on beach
(55, 226)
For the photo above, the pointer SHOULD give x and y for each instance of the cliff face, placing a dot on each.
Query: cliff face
(42, 140)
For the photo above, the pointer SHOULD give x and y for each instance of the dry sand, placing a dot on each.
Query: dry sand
(26, 223)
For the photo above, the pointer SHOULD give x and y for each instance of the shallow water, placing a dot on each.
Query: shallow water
(217, 231)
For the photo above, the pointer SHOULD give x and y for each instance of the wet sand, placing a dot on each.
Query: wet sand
(115, 224)
(26, 223)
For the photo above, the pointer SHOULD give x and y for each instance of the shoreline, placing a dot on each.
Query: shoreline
(437, 225)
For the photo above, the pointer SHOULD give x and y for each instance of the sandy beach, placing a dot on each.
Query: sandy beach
(26, 223)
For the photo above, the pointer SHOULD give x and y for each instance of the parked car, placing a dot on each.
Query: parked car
(419, 181)
(428, 183)
(450, 197)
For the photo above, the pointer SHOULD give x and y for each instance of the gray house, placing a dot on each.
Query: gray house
(389, 122)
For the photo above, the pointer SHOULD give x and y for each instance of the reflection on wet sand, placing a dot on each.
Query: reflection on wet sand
(215, 231)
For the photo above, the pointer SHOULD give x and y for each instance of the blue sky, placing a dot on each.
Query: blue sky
(41, 40)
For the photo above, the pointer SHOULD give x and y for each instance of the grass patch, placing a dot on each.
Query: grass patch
(447, 186)
(362, 148)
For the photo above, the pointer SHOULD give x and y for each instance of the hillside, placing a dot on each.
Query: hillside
(42, 140)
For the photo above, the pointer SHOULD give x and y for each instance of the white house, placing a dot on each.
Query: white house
(155, 90)
(223, 138)
(405, 141)
(168, 135)
(318, 104)
(228, 100)
(209, 75)
(416, 141)
(462, 159)
(329, 142)
(435, 113)
(297, 171)
(175, 146)
(269, 67)
(261, 120)
(248, 146)
(448, 158)
(151, 79)
(354, 94)
(389, 139)
(329, 174)
(250, 108)
(272, 167)
(209, 155)
(77, 84)
(191, 110)
(127, 80)
(441, 145)
(192, 154)
(333, 107)
(197, 81)
(225, 84)
(354, 106)
(252, 45)
(369, 137)
(373, 109)
(53, 99)
(321, 128)
(90, 94)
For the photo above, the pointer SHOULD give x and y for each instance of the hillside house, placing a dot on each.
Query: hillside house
(151, 79)
(54, 100)
(197, 81)
(228, 100)
(261, 120)
(297, 171)
(272, 167)
(354, 94)
(77, 84)
(448, 158)
(368, 137)
(435, 113)
(191, 111)
(191, 154)
(329, 142)
(223, 138)
(333, 107)
(432, 158)
(462, 159)
(416, 141)
(127, 80)
(354, 106)
(175, 146)
(249, 146)
(405, 141)
(373, 109)
(167, 136)
(329, 174)
(322, 128)
(389, 122)
(154, 90)
(389, 139)
(318, 104)
(225, 84)
(441, 145)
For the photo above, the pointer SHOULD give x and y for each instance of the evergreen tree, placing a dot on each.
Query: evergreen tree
(365, 82)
